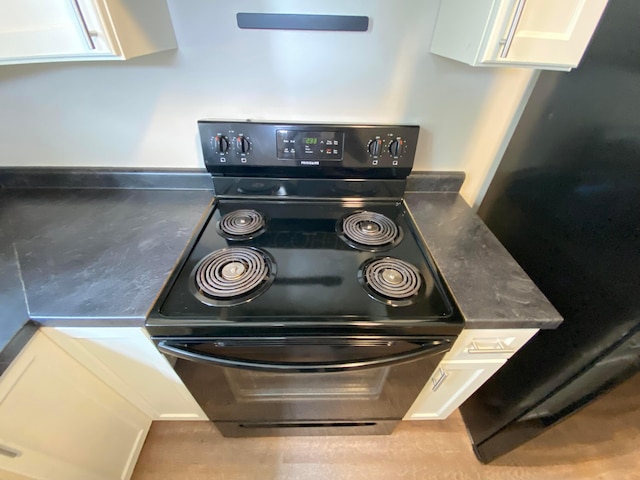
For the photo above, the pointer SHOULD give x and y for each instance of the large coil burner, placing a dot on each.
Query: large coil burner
(231, 276)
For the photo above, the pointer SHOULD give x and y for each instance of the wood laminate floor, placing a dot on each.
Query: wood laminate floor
(600, 442)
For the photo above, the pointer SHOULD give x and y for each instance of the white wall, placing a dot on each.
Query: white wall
(143, 112)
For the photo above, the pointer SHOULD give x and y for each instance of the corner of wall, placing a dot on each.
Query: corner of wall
(502, 112)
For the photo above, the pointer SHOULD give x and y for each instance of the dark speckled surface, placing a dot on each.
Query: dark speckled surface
(88, 256)
(92, 178)
(435, 182)
(489, 286)
(13, 310)
(99, 256)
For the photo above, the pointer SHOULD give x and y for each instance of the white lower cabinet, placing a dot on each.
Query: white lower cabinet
(127, 360)
(450, 385)
(58, 421)
(473, 359)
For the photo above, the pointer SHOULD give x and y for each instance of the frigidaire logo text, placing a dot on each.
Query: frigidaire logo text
(307, 162)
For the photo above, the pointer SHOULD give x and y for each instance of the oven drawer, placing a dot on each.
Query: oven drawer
(306, 429)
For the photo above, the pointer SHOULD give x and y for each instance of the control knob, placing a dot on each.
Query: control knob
(242, 144)
(395, 147)
(220, 144)
(375, 146)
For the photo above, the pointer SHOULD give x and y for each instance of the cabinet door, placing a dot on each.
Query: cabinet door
(450, 385)
(128, 361)
(51, 28)
(58, 421)
(544, 32)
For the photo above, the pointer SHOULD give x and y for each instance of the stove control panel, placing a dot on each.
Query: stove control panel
(309, 145)
(302, 150)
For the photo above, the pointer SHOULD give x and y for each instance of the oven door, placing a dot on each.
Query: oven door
(305, 386)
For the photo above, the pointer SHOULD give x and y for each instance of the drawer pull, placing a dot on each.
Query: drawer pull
(9, 452)
(83, 25)
(437, 382)
(497, 346)
(512, 29)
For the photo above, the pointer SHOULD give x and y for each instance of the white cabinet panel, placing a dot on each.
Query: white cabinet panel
(127, 360)
(544, 34)
(547, 32)
(450, 385)
(474, 357)
(64, 423)
(29, 28)
(64, 30)
(489, 344)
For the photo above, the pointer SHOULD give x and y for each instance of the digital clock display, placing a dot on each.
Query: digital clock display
(309, 145)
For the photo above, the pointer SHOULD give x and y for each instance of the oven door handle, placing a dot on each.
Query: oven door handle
(181, 351)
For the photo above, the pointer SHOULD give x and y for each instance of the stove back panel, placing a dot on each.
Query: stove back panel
(249, 149)
(309, 188)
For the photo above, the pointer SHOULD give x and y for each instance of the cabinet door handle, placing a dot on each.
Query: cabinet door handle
(83, 24)
(512, 29)
(437, 383)
(9, 452)
(498, 347)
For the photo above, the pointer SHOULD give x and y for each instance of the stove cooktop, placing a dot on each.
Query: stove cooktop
(308, 235)
(305, 262)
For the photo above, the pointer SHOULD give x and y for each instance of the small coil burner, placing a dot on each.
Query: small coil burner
(369, 231)
(231, 276)
(391, 281)
(242, 224)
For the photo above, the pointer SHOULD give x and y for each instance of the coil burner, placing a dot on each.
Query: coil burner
(391, 281)
(369, 231)
(242, 224)
(231, 276)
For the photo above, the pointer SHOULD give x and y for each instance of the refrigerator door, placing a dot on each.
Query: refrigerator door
(596, 379)
(565, 202)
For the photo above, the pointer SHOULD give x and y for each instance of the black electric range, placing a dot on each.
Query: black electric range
(307, 263)
(333, 250)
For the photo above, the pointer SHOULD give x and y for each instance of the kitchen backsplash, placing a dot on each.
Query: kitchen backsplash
(143, 112)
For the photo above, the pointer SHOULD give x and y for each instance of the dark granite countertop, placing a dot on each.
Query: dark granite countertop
(490, 288)
(15, 326)
(99, 256)
(62, 248)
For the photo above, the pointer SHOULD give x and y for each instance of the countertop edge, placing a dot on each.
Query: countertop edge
(97, 321)
(100, 178)
(14, 346)
(173, 179)
(425, 181)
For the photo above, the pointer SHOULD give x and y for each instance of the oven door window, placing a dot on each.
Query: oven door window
(251, 386)
(289, 380)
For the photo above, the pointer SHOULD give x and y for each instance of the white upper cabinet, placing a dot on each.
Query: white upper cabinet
(33, 31)
(544, 34)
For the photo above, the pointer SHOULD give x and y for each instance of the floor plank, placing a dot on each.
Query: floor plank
(600, 442)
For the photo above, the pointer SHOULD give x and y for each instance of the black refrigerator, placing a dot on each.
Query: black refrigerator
(565, 201)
